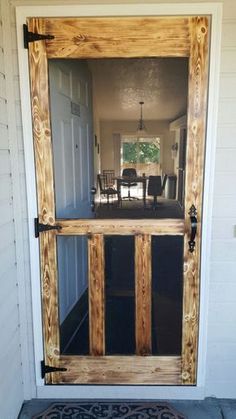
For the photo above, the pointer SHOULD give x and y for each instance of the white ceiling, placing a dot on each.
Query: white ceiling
(120, 84)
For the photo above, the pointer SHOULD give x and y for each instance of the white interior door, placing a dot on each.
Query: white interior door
(72, 137)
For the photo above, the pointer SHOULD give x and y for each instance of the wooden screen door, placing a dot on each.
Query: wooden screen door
(85, 38)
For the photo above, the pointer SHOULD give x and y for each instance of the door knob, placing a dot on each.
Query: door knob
(193, 221)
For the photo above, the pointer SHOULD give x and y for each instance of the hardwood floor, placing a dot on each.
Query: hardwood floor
(166, 208)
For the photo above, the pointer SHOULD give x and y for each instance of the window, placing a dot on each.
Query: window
(141, 153)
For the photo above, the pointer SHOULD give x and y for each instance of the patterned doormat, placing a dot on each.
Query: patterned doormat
(105, 410)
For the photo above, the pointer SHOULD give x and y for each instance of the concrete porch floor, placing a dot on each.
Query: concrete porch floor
(210, 408)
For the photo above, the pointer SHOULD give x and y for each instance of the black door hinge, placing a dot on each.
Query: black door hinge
(46, 369)
(39, 227)
(32, 37)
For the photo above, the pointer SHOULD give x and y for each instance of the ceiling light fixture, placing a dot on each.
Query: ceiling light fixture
(141, 130)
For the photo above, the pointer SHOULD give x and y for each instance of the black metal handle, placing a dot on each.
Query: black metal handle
(93, 191)
(193, 220)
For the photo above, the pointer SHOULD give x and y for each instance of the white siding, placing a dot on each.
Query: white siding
(221, 364)
(11, 388)
(14, 258)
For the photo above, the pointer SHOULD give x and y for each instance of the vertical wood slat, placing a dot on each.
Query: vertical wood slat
(41, 124)
(143, 292)
(96, 295)
(48, 264)
(197, 107)
(45, 194)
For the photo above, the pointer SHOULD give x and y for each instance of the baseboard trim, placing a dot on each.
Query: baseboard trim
(121, 392)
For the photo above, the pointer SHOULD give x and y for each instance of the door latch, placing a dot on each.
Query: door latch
(193, 221)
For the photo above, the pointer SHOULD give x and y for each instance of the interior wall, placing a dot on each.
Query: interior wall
(221, 339)
(158, 128)
(176, 159)
(175, 127)
(97, 145)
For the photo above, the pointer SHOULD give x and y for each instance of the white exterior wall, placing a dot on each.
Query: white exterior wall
(221, 336)
(11, 388)
(15, 318)
(221, 350)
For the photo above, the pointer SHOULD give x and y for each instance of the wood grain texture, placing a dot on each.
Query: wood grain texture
(96, 295)
(121, 227)
(118, 37)
(41, 125)
(121, 370)
(143, 294)
(49, 290)
(197, 107)
(45, 194)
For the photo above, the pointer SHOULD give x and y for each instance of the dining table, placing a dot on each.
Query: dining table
(130, 180)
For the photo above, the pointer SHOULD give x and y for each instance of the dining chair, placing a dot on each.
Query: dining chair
(164, 180)
(154, 189)
(129, 173)
(110, 177)
(104, 189)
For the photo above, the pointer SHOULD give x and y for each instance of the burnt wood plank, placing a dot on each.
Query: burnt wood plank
(96, 295)
(143, 298)
(118, 37)
(121, 370)
(49, 291)
(197, 107)
(121, 226)
(45, 193)
(41, 124)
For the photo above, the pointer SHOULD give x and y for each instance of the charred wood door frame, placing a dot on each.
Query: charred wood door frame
(104, 38)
